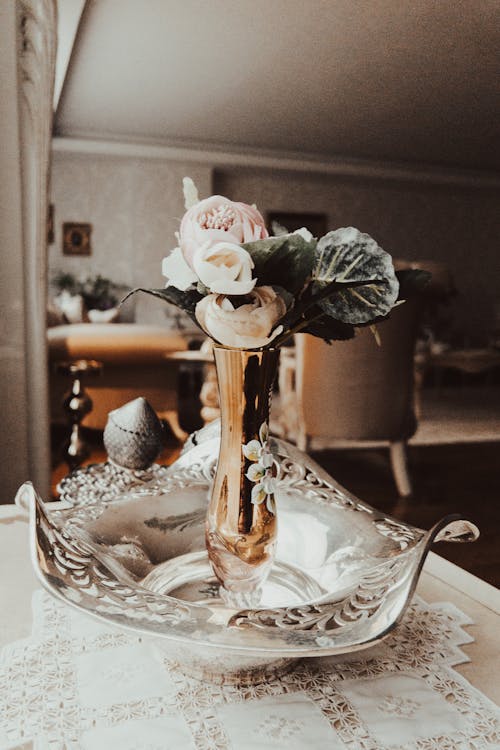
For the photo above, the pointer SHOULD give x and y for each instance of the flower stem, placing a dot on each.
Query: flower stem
(296, 329)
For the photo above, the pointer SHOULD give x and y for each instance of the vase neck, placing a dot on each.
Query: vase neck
(245, 386)
(241, 523)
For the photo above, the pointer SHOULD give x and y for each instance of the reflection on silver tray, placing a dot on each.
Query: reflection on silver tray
(133, 553)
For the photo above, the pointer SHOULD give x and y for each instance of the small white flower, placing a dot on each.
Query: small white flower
(177, 271)
(258, 494)
(269, 484)
(261, 470)
(256, 472)
(266, 459)
(252, 450)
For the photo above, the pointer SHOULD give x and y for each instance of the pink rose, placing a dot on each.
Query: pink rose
(217, 219)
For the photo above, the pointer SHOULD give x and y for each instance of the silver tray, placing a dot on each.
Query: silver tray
(129, 548)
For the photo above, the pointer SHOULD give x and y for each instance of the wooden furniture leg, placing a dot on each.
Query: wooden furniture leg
(399, 465)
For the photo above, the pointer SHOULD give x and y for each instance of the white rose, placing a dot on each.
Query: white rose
(246, 327)
(177, 271)
(225, 268)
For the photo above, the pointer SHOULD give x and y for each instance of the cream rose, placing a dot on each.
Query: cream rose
(217, 219)
(246, 327)
(225, 268)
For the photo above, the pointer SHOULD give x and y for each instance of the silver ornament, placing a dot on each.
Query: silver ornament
(133, 435)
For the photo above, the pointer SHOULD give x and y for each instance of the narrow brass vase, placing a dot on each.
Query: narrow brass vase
(241, 523)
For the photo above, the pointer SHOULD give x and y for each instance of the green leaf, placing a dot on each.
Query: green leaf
(285, 261)
(187, 301)
(329, 329)
(287, 298)
(261, 249)
(347, 255)
(301, 315)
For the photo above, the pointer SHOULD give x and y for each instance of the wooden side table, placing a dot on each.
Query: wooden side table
(209, 393)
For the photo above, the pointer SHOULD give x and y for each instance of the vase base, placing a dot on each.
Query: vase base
(190, 578)
(241, 677)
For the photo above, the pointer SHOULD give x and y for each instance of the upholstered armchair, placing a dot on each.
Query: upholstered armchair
(354, 393)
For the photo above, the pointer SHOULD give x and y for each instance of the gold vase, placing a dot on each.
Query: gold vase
(241, 523)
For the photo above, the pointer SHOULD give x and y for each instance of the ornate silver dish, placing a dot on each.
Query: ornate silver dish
(131, 551)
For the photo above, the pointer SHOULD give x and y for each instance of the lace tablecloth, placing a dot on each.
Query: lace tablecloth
(76, 683)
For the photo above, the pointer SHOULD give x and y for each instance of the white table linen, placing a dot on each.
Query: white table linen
(75, 682)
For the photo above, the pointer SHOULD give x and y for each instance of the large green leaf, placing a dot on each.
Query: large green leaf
(347, 255)
(329, 329)
(187, 301)
(285, 261)
(287, 298)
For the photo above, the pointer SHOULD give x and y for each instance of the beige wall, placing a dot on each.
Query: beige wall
(135, 206)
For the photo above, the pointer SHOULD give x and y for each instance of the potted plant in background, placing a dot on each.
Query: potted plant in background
(94, 298)
(250, 293)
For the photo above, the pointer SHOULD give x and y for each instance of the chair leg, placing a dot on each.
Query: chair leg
(399, 465)
(303, 442)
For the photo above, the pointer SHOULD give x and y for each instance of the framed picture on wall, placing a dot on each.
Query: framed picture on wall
(76, 238)
(289, 221)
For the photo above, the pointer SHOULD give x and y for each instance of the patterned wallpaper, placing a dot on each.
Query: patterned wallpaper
(456, 226)
(135, 206)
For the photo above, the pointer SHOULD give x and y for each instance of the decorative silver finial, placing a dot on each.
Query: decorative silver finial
(133, 435)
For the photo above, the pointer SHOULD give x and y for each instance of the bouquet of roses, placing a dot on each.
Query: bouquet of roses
(247, 290)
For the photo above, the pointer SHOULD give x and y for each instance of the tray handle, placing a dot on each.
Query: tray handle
(458, 530)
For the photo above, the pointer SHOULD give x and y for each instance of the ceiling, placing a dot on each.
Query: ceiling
(399, 80)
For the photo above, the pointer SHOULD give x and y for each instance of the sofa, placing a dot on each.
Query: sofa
(135, 362)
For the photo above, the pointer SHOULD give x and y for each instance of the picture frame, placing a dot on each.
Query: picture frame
(76, 238)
